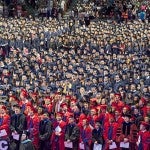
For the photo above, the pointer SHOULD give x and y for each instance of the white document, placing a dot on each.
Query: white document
(124, 145)
(3, 133)
(113, 145)
(15, 136)
(58, 129)
(97, 147)
(68, 144)
(81, 145)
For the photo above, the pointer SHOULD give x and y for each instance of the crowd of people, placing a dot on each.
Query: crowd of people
(74, 84)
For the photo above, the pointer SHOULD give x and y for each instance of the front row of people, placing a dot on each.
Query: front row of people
(53, 133)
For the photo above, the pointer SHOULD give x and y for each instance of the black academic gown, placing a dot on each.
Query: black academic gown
(45, 132)
(73, 134)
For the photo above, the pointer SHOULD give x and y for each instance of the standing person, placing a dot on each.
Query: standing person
(72, 133)
(26, 143)
(45, 131)
(4, 121)
(144, 137)
(129, 134)
(97, 135)
(58, 137)
(110, 131)
(86, 134)
(33, 127)
(17, 125)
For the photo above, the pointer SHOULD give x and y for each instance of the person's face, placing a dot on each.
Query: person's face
(58, 118)
(97, 126)
(45, 116)
(146, 119)
(23, 137)
(86, 106)
(117, 113)
(117, 78)
(105, 79)
(17, 111)
(71, 120)
(124, 110)
(84, 122)
(39, 110)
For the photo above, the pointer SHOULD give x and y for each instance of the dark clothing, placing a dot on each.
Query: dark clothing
(73, 134)
(97, 136)
(45, 130)
(26, 145)
(18, 124)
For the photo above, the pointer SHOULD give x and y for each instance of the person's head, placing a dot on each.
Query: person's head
(24, 135)
(40, 110)
(97, 125)
(17, 110)
(84, 122)
(71, 120)
(117, 113)
(3, 109)
(58, 117)
(144, 126)
(147, 119)
(45, 115)
(86, 105)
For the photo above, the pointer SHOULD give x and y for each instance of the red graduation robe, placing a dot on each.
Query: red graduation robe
(59, 140)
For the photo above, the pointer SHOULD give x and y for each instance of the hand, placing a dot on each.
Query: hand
(137, 143)
(110, 142)
(15, 132)
(57, 133)
(68, 141)
(95, 142)
(125, 140)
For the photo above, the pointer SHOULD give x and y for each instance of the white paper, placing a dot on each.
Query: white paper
(3, 133)
(15, 136)
(97, 147)
(81, 145)
(68, 144)
(58, 129)
(113, 145)
(124, 145)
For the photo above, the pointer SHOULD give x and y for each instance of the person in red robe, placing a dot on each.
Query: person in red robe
(4, 122)
(48, 105)
(110, 131)
(86, 134)
(58, 136)
(117, 101)
(24, 102)
(93, 118)
(33, 127)
(118, 118)
(143, 142)
(104, 115)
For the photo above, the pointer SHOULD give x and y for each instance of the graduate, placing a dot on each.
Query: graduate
(58, 137)
(72, 133)
(143, 137)
(45, 132)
